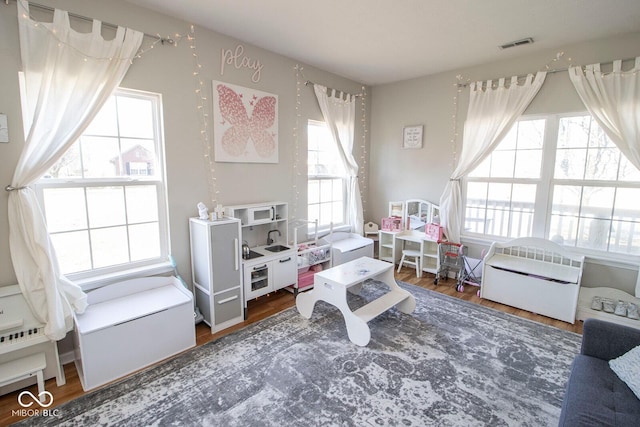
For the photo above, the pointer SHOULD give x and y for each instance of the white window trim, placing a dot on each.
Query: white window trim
(541, 223)
(96, 277)
(335, 226)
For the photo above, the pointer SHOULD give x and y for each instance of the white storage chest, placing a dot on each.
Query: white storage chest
(130, 325)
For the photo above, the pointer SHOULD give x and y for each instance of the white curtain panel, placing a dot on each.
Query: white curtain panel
(613, 99)
(67, 78)
(340, 116)
(492, 112)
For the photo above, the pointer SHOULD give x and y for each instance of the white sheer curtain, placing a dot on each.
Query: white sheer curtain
(492, 112)
(67, 78)
(613, 100)
(340, 116)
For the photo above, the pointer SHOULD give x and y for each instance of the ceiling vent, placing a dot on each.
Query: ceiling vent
(520, 42)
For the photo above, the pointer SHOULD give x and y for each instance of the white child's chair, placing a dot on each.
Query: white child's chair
(411, 253)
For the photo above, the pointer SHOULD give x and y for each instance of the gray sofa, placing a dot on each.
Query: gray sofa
(595, 395)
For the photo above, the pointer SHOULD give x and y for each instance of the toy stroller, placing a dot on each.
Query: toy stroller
(451, 259)
(469, 275)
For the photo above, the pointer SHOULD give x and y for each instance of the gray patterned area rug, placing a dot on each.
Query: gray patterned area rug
(450, 363)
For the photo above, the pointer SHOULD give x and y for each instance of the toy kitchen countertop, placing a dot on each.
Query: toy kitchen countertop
(268, 253)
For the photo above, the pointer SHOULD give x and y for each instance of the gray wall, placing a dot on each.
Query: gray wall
(169, 71)
(402, 174)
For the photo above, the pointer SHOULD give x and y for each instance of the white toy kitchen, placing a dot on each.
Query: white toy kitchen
(268, 262)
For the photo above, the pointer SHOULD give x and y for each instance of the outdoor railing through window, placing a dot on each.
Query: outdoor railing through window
(587, 227)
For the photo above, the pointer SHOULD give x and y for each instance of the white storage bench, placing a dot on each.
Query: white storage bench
(130, 325)
(535, 275)
(346, 247)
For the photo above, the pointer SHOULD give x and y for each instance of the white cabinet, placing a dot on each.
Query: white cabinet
(386, 246)
(264, 276)
(217, 271)
(284, 272)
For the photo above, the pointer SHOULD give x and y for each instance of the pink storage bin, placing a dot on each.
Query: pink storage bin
(305, 279)
(434, 231)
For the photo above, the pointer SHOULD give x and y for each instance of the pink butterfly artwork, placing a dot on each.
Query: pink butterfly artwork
(242, 134)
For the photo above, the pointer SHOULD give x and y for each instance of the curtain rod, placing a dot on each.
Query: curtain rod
(357, 95)
(559, 70)
(163, 40)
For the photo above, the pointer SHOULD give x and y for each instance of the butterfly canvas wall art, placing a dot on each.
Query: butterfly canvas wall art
(245, 124)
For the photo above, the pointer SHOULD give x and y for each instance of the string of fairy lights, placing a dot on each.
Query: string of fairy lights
(362, 175)
(363, 150)
(296, 142)
(202, 107)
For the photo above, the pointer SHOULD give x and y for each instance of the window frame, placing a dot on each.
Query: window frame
(159, 181)
(546, 184)
(320, 178)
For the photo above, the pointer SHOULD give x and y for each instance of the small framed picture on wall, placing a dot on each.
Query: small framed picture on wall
(412, 136)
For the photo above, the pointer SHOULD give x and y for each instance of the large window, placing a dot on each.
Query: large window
(558, 177)
(326, 185)
(104, 201)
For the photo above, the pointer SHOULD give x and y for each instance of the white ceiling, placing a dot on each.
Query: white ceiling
(381, 41)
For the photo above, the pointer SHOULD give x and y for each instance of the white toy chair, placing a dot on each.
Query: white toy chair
(416, 255)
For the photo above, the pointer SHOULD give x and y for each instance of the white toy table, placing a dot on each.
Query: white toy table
(332, 285)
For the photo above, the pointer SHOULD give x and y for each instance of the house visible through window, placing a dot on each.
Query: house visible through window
(104, 201)
(326, 186)
(558, 177)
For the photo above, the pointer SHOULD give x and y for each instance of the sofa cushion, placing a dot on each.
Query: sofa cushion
(627, 367)
(596, 396)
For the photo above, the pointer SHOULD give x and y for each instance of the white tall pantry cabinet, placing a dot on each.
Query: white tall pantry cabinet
(216, 268)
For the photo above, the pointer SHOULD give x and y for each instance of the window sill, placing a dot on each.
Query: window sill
(629, 262)
(94, 282)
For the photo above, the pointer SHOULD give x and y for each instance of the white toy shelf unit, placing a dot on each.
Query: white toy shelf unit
(314, 254)
(533, 274)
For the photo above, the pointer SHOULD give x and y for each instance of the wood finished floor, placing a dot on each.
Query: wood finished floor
(259, 309)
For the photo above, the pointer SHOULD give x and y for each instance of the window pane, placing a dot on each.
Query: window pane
(570, 163)
(145, 241)
(502, 164)
(72, 250)
(602, 163)
(483, 169)
(625, 237)
(313, 195)
(142, 203)
(135, 117)
(593, 233)
(138, 158)
(566, 199)
(528, 164)
(106, 206)
(573, 132)
(100, 156)
(65, 209)
(509, 141)
(105, 123)
(69, 166)
(564, 229)
(627, 201)
(499, 196)
(597, 202)
(531, 134)
(628, 172)
(338, 212)
(110, 246)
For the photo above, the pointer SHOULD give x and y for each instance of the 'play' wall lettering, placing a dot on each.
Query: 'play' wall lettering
(235, 58)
